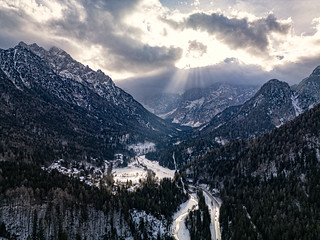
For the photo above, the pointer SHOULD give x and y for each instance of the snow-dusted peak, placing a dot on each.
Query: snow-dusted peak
(316, 71)
(22, 44)
(59, 52)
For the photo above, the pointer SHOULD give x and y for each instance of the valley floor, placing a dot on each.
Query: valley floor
(138, 169)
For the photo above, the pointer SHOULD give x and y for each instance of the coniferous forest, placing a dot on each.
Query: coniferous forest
(270, 185)
(33, 187)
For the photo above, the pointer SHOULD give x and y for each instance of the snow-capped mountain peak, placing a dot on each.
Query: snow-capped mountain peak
(316, 71)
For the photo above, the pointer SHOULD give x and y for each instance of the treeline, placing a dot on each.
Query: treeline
(270, 185)
(198, 221)
(183, 152)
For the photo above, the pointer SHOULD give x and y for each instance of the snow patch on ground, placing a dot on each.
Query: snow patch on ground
(153, 225)
(174, 161)
(192, 124)
(318, 154)
(137, 170)
(188, 124)
(282, 121)
(220, 140)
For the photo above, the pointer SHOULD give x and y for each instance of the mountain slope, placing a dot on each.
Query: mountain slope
(79, 108)
(273, 105)
(270, 107)
(35, 129)
(307, 93)
(198, 106)
(269, 185)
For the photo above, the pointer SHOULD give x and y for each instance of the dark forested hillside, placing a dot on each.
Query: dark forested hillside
(33, 129)
(53, 206)
(269, 186)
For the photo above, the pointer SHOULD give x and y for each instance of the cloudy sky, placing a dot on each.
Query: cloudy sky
(166, 45)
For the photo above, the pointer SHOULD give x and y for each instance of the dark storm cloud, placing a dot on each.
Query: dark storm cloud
(97, 23)
(237, 33)
(294, 72)
(121, 46)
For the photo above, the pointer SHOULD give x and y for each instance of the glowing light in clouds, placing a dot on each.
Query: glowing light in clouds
(134, 37)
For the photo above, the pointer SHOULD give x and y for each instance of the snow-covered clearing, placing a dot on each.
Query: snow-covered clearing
(142, 148)
(180, 232)
(137, 170)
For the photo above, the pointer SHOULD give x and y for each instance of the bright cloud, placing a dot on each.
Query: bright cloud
(131, 38)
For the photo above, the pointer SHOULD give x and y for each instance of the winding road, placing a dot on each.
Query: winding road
(180, 231)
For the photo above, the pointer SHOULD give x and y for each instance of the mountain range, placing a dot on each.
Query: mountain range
(273, 105)
(55, 101)
(197, 106)
(258, 149)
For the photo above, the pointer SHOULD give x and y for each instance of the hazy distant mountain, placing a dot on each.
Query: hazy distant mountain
(50, 98)
(198, 105)
(161, 104)
(273, 105)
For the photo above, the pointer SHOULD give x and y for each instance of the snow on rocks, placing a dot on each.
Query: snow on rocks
(295, 104)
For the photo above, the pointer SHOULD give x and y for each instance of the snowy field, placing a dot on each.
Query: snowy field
(180, 232)
(138, 170)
